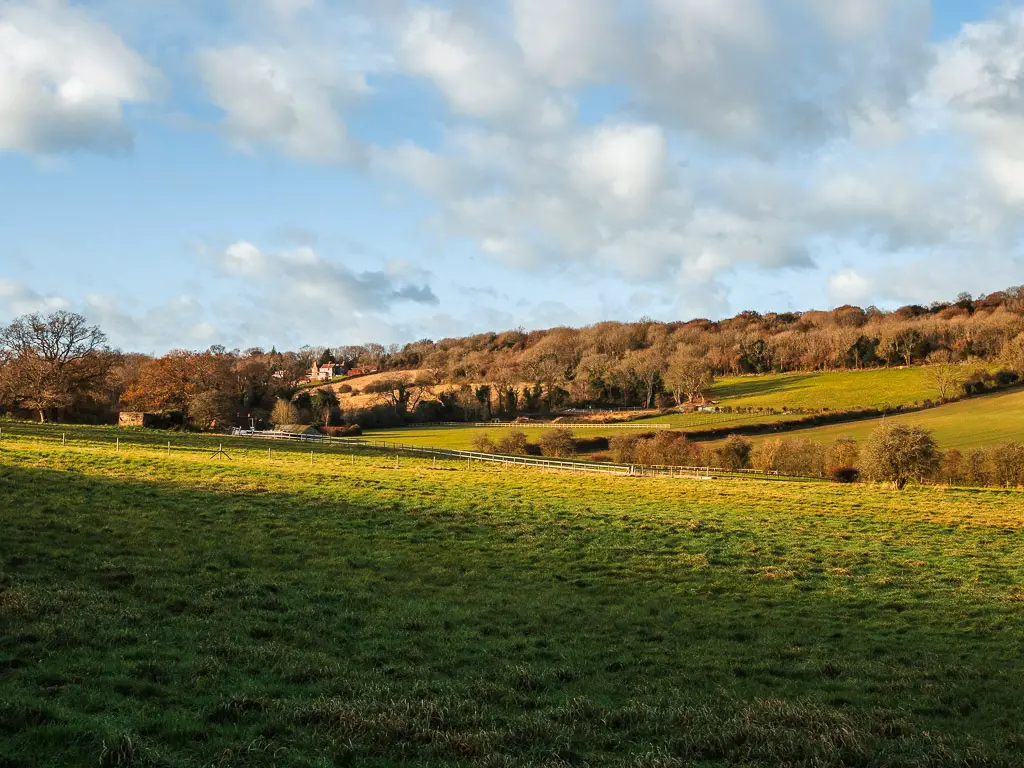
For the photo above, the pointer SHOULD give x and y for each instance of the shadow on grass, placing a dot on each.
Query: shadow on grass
(145, 623)
(761, 385)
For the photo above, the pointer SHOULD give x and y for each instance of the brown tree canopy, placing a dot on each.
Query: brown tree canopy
(48, 363)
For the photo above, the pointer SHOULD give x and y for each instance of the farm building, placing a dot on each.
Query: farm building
(147, 420)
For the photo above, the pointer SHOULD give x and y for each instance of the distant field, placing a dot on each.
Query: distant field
(698, 422)
(972, 423)
(843, 390)
(190, 611)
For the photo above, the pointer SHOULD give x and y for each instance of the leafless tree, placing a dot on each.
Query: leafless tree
(50, 362)
(688, 377)
(944, 375)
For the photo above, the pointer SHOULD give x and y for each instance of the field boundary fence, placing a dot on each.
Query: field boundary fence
(547, 462)
(128, 439)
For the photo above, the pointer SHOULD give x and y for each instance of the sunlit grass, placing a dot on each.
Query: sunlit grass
(259, 611)
(836, 391)
(974, 423)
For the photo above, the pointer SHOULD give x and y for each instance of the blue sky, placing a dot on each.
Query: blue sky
(284, 172)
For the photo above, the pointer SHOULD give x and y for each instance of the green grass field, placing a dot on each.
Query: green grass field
(843, 390)
(974, 423)
(192, 611)
(839, 391)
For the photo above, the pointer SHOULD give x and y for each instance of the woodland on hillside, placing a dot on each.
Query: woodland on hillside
(60, 367)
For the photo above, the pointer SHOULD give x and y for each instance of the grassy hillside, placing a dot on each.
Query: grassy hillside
(843, 390)
(187, 610)
(973, 423)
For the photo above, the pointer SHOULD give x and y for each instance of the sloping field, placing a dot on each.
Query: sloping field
(973, 423)
(842, 390)
(189, 610)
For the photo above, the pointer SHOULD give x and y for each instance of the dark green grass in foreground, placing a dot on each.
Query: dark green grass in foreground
(180, 611)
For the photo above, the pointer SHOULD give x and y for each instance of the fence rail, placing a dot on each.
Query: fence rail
(565, 465)
(128, 437)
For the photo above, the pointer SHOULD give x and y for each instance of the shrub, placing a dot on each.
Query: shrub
(975, 383)
(665, 448)
(623, 448)
(1006, 464)
(954, 469)
(1006, 377)
(802, 457)
(211, 409)
(844, 474)
(345, 389)
(557, 442)
(763, 455)
(899, 453)
(352, 430)
(791, 457)
(842, 454)
(483, 444)
(590, 444)
(284, 413)
(977, 469)
(334, 418)
(513, 443)
(734, 453)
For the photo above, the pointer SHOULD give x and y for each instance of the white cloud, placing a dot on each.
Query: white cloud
(567, 42)
(301, 278)
(283, 97)
(849, 287)
(680, 146)
(478, 75)
(65, 79)
(18, 299)
(621, 167)
(978, 79)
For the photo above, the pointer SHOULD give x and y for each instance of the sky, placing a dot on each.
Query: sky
(287, 172)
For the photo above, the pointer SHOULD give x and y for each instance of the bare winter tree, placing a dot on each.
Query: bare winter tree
(50, 362)
(688, 377)
(944, 375)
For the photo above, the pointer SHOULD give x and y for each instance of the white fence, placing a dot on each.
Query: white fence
(564, 465)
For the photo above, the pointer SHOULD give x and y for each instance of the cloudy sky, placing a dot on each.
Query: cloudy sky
(260, 172)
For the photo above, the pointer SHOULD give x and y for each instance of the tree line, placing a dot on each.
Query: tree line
(893, 453)
(61, 367)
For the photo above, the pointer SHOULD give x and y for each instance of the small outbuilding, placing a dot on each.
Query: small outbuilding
(147, 420)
